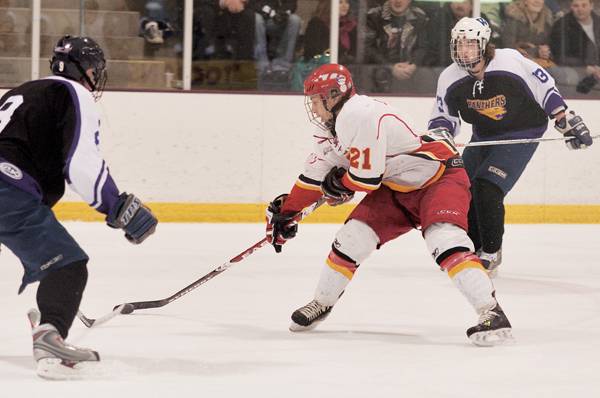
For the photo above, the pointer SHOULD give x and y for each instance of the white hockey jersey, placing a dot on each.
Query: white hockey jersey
(377, 147)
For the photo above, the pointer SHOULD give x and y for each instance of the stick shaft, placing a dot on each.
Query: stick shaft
(517, 141)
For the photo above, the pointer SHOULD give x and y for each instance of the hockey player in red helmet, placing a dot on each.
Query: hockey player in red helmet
(412, 181)
(326, 89)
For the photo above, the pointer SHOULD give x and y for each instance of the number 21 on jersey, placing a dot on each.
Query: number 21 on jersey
(359, 159)
(8, 108)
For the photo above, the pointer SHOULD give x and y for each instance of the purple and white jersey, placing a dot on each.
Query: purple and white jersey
(514, 99)
(49, 134)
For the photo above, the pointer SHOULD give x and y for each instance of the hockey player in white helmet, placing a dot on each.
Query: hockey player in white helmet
(503, 95)
(411, 180)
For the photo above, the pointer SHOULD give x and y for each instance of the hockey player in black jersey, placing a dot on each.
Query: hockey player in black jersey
(49, 134)
(504, 96)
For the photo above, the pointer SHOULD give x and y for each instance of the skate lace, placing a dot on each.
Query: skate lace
(487, 316)
(313, 310)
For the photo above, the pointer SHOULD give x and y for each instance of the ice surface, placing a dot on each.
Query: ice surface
(399, 331)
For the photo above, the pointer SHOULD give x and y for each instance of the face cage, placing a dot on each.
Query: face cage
(312, 117)
(468, 66)
(99, 84)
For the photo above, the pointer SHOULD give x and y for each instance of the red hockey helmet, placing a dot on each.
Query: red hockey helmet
(327, 81)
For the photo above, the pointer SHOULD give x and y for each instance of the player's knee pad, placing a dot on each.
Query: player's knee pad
(444, 239)
(355, 240)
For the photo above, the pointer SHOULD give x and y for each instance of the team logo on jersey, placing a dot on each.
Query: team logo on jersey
(11, 170)
(494, 108)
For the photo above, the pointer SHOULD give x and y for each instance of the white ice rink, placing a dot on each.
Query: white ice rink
(399, 331)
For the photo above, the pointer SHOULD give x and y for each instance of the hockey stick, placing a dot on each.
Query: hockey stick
(518, 141)
(128, 308)
(89, 322)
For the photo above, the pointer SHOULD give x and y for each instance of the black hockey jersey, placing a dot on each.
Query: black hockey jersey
(49, 133)
(514, 99)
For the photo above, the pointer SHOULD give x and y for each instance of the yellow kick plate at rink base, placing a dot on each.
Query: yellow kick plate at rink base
(253, 212)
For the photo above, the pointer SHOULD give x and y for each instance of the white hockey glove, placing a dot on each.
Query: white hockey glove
(441, 133)
(572, 126)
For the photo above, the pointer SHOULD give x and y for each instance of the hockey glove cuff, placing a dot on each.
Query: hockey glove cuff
(334, 190)
(281, 227)
(130, 215)
(572, 126)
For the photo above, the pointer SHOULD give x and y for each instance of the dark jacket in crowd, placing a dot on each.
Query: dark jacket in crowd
(570, 44)
(438, 31)
(224, 34)
(393, 39)
(316, 38)
(278, 10)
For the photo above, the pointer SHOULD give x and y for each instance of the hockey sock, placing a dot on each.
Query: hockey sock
(469, 276)
(489, 205)
(59, 295)
(336, 275)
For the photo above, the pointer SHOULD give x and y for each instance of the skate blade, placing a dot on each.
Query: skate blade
(492, 338)
(56, 369)
(294, 327)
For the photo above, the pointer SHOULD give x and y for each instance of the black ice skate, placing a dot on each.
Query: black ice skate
(493, 328)
(308, 317)
(56, 359)
(491, 261)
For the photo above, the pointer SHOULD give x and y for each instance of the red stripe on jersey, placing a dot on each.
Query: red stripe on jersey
(437, 150)
(299, 198)
(395, 116)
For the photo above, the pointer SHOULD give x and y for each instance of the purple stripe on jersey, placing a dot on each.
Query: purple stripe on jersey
(77, 131)
(13, 175)
(109, 195)
(442, 122)
(98, 182)
(535, 132)
(554, 101)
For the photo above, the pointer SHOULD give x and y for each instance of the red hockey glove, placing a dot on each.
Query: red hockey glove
(281, 227)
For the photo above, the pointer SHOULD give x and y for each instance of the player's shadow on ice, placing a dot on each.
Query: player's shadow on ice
(389, 337)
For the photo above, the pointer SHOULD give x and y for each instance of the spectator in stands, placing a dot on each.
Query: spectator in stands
(575, 37)
(277, 27)
(155, 25)
(438, 31)
(527, 28)
(396, 37)
(316, 36)
(224, 29)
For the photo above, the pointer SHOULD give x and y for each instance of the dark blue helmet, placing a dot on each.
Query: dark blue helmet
(73, 56)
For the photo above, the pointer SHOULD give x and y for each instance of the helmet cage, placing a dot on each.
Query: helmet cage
(466, 31)
(327, 81)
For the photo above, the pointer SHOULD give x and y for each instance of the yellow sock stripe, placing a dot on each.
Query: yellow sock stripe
(342, 270)
(467, 264)
(255, 212)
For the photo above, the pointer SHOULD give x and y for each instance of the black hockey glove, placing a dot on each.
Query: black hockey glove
(130, 215)
(334, 190)
(281, 227)
(572, 126)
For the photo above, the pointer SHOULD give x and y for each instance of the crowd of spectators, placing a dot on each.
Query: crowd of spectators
(404, 43)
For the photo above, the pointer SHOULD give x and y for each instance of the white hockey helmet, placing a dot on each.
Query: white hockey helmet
(470, 29)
